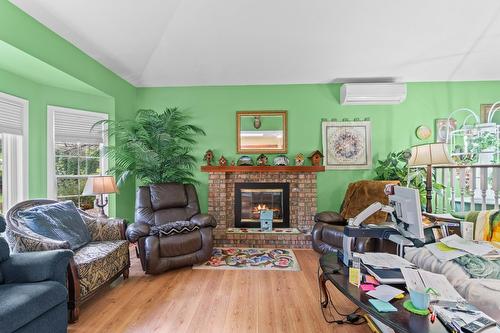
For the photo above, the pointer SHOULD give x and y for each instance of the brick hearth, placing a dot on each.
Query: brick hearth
(302, 206)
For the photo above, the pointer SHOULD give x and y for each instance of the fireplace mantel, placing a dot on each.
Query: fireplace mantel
(251, 169)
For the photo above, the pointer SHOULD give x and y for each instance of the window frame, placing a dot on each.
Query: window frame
(51, 146)
(25, 137)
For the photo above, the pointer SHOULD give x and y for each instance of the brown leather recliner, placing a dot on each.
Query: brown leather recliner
(169, 229)
(328, 231)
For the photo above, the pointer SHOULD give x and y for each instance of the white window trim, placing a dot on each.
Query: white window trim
(51, 144)
(25, 103)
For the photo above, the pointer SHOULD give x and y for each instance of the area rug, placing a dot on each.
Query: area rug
(251, 259)
(290, 231)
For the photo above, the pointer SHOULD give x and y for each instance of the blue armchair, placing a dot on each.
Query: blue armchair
(33, 294)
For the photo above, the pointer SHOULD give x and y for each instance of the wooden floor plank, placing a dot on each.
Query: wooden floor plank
(187, 300)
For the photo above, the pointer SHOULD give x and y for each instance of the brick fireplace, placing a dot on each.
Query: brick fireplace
(301, 185)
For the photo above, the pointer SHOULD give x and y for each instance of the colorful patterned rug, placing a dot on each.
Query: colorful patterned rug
(251, 259)
(291, 231)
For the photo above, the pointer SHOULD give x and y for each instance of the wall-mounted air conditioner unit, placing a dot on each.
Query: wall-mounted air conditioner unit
(372, 93)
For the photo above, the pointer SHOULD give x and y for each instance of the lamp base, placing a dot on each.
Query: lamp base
(101, 204)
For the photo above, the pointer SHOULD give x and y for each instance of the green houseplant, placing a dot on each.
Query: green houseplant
(395, 167)
(154, 148)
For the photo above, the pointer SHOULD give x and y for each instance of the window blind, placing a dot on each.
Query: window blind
(75, 126)
(12, 113)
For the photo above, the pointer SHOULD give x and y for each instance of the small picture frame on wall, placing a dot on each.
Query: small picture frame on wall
(444, 128)
(485, 110)
(347, 145)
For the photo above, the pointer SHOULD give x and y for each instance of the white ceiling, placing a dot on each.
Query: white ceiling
(226, 42)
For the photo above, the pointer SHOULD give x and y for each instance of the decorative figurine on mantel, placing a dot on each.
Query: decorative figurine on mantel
(209, 156)
(299, 159)
(280, 160)
(316, 157)
(232, 163)
(222, 161)
(245, 161)
(262, 160)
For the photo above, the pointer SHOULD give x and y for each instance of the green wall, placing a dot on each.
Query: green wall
(393, 127)
(39, 97)
(29, 36)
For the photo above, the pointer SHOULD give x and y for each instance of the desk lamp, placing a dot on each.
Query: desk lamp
(98, 186)
(428, 155)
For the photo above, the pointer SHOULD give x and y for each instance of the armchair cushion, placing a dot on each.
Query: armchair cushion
(136, 231)
(37, 266)
(98, 262)
(105, 229)
(330, 218)
(22, 303)
(170, 195)
(173, 228)
(60, 221)
(204, 220)
(25, 240)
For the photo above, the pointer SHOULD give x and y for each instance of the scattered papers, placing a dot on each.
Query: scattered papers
(367, 287)
(385, 292)
(384, 260)
(443, 252)
(418, 279)
(382, 306)
(471, 247)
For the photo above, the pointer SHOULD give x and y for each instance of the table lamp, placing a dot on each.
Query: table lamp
(428, 155)
(98, 186)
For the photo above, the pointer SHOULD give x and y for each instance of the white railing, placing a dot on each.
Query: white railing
(475, 187)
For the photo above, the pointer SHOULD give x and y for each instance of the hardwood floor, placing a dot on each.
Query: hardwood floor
(187, 300)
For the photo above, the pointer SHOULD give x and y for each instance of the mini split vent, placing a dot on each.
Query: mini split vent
(372, 93)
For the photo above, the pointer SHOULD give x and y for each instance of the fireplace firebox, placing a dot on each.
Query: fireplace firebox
(251, 198)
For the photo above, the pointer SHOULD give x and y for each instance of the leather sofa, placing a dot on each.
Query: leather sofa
(169, 230)
(328, 231)
(33, 293)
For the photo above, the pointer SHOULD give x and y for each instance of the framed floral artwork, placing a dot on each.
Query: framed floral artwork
(347, 145)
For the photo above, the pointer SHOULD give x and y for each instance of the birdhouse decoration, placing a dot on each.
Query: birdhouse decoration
(262, 160)
(316, 157)
(209, 156)
(299, 159)
(222, 161)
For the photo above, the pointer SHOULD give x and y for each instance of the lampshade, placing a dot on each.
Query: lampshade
(100, 185)
(430, 154)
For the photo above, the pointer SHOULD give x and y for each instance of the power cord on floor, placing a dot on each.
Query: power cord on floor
(352, 318)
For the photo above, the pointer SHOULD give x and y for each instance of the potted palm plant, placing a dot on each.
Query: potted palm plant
(154, 147)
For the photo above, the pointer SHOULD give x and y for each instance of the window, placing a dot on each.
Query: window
(13, 151)
(75, 162)
(75, 150)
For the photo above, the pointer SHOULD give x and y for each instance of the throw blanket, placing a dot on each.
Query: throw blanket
(479, 267)
(173, 228)
(486, 224)
(483, 293)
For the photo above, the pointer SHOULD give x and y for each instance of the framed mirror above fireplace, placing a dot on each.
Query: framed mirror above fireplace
(261, 132)
(251, 198)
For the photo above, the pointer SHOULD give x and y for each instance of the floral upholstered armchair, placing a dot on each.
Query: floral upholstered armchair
(94, 265)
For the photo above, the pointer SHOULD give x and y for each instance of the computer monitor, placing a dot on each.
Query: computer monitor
(407, 212)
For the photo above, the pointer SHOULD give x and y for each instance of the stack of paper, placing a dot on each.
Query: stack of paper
(457, 242)
(443, 252)
(419, 279)
(384, 260)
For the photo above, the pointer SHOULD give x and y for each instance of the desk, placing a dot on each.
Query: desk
(401, 321)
